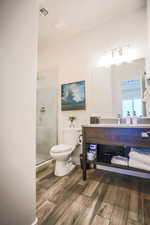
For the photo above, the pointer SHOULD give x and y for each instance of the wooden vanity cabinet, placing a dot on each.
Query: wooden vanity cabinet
(115, 136)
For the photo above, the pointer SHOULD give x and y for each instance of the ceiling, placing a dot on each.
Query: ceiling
(67, 18)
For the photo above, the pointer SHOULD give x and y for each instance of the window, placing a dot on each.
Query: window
(131, 97)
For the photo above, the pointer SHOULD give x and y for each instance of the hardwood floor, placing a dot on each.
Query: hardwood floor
(104, 199)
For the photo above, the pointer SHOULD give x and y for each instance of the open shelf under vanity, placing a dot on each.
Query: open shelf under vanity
(102, 162)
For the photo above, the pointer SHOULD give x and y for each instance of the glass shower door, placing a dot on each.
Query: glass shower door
(46, 117)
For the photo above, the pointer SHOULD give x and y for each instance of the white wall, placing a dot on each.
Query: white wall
(78, 57)
(18, 62)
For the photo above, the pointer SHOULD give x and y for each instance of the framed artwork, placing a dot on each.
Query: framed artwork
(73, 96)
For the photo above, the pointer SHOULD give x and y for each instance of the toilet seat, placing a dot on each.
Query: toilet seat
(61, 148)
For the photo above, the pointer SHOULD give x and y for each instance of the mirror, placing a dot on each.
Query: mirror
(119, 89)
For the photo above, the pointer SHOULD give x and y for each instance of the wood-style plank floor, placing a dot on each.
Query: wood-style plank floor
(104, 199)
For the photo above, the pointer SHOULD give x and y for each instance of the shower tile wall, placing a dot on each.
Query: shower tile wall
(46, 116)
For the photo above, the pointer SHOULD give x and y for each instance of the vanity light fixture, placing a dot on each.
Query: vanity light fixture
(117, 56)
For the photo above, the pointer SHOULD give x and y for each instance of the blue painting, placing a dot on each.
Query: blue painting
(73, 96)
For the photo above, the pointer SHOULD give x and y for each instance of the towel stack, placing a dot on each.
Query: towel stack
(139, 158)
(120, 160)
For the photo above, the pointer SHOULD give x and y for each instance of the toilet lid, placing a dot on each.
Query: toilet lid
(61, 148)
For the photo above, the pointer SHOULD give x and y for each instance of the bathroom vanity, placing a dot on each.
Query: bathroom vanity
(116, 137)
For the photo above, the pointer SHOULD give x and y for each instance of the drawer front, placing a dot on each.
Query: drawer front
(117, 136)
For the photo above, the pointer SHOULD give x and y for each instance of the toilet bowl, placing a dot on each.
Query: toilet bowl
(61, 153)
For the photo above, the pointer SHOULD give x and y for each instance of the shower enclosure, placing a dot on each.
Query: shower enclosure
(46, 124)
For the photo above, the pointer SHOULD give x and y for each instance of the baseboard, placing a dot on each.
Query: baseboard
(35, 222)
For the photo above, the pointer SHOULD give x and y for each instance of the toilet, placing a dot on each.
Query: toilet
(62, 153)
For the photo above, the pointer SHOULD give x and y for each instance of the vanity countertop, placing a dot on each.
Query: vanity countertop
(118, 125)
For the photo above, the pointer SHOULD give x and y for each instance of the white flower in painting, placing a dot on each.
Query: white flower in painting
(77, 96)
(76, 93)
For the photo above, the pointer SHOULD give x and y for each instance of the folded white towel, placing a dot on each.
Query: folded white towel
(120, 160)
(142, 157)
(141, 150)
(137, 164)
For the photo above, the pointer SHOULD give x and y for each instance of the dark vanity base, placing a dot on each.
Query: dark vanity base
(121, 138)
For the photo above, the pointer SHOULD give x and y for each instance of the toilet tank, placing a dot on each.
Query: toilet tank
(71, 136)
